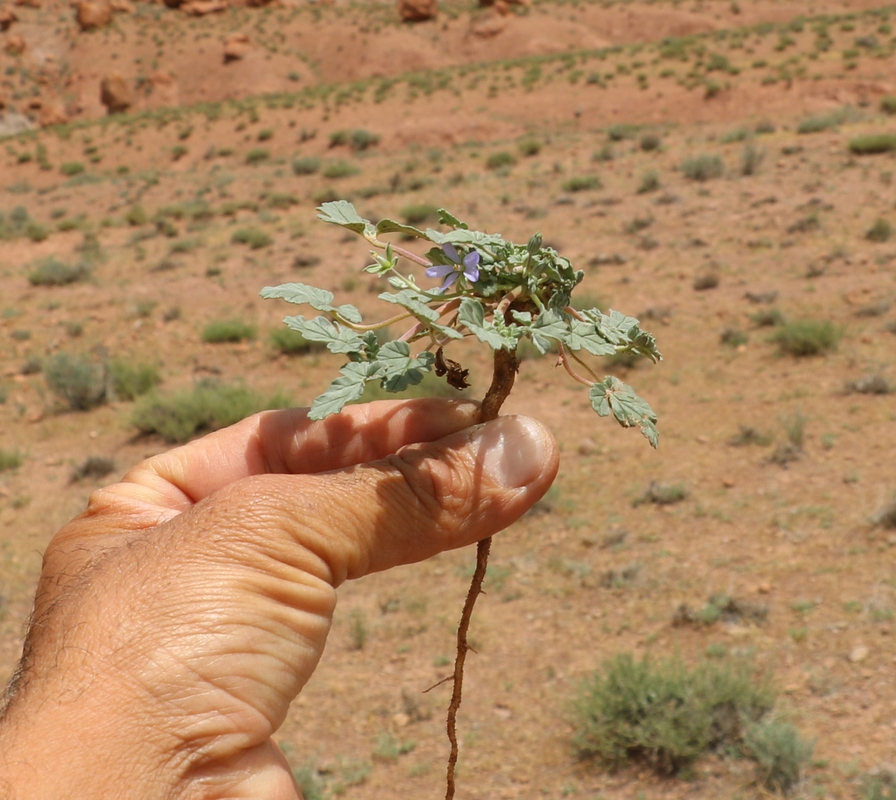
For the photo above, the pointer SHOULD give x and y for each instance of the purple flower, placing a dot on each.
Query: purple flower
(469, 267)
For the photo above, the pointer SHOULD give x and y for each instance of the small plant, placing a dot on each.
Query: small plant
(420, 213)
(888, 105)
(52, 272)
(871, 384)
(95, 467)
(208, 406)
(136, 216)
(751, 159)
(71, 168)
(489, 289)
(358, 630)
(822, 122)
(804, 338)
(130, 380)
(650, 142)
(582, 183)
(257, 155)
(310, 782)
(292, 343)
(9, 459)
(664, 714)
(880, 231)
(662, 494)
(529, 147)
(228, 330)
(702, 168)
(650, 182)
(340, 169)
(873, 144)
(305, 165)
(621, 131)
(80, 382)
(254, 237)
(780, 753)
(265, 134)
(502, 158)
(361, 139)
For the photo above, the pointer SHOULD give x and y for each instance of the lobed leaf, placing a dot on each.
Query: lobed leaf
(341, 212)
(472, 315)
(347, 387)
(391, 226)
(613, 396)
(319, 299)
(337, 338)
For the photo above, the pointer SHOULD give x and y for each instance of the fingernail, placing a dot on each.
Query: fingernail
(511, 450)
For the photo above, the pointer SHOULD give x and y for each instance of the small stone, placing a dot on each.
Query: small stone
(728, 483)
(858, 653)
(115, 93)
(400, 720)
(587, 447)
(236, 47)
(703, 438)
(763, 588)
(92, 15)
(417, 10)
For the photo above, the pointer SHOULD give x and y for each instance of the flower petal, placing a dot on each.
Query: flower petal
(471, 259)
(451, 251)
(472, 274)
(439, 270)
(450, 280)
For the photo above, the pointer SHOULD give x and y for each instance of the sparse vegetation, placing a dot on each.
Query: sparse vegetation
(10, 459)
(227, 330)
(873, 144)
(131, 379)
(206, 407)
(582, 183)
(807, 337)
(501, 159)
(51, 271)
(703, 167)
(256, 238)
(306, 165)
(81, 382)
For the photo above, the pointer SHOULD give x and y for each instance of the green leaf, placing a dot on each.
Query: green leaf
(319, 299)
(413, 302)
(399, 369)
(462, 236)
(585, 335)
(341, 212)
(612, 395)
(447, 218)
(391, 226)
(347, 387)
(472, 315)
(337, 338)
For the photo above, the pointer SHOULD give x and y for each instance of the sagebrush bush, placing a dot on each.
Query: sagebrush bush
(663, 713)
(340, 169)
(256, 238)
(51, 271)
(227, 330)
(92, 467)
(873, 144)
(306, 165)
(257, 155)
(9, 459)
(822, 122)
(582, 183)
(418, 213)
(880, 231)
(292, 343)
(780, 753)
(208, 406)
(131, 380)
(502, 158)
(807, 337)
(81, 382)
(703, 167)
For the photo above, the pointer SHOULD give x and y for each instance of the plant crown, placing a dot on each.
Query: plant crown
(492, 289)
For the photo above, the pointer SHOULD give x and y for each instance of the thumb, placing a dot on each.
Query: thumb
(424, 499)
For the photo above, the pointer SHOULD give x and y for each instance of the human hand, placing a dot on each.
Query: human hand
(177, 618)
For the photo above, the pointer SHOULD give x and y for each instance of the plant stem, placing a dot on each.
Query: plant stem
(506, 365)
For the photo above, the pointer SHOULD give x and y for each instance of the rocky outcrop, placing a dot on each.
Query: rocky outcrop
(417, 10)
(93, 14)
(122, 6)
(116, 93)
(236, 46)
(52, 113)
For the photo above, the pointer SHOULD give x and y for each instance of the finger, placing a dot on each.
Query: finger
(426, 498)
(288, 442)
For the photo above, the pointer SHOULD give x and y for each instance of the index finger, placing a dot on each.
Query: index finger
(287, 442)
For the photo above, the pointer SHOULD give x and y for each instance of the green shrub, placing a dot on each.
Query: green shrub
(807, 337)
(621, 131)
(227, 330)
(131, 380)
(502, 158)
(529, 147)
(179, 151)
(822, 122)
(305, 165)
(880, 231)
(780, 753)
(136, 216)
(340, 169)
(292, 343)
(36, 232)
(362, 140)
(873, 144)
(80, 382)
(207, 406)
(254, 237)
(418, 213)
(751, 158)
(650, 182)
(703, 167)
(10, 459)
(52, 272)
(650, 142)
(257, 155)
(888, 104)
(582, 183)
(71, 168)
(92, 467)
(662, 494)
(265, 134)
(663, 713)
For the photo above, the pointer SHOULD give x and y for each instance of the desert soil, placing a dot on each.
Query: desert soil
(570, 90)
